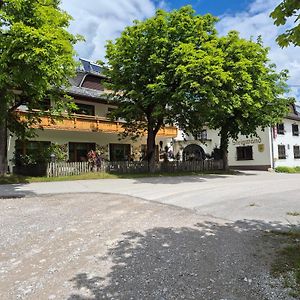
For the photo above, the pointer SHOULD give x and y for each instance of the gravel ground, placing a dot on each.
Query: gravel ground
(100, 246)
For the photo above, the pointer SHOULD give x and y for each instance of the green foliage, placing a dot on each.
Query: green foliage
(142, 67)
(60, 152)
(240, 92)
(285, 10)
(36, 59)
(42, 155)
(285, 169)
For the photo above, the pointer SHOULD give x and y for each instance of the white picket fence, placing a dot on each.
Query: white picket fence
(56, 169)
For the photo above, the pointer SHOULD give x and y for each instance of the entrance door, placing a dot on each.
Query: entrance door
(193, 152)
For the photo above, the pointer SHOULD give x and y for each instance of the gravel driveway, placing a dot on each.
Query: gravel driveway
(101, 246)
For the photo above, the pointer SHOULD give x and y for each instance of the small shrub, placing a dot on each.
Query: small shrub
(284, 169)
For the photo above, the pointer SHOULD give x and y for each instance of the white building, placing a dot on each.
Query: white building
(273, 147)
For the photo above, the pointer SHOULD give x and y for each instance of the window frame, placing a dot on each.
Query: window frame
(294, 152)
(87, 106)
(280, 129)
(280, 156)
(74, 149)
(242, 154)
(295, 132)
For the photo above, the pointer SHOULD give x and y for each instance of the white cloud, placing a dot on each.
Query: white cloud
(255, 21)
(102, 20)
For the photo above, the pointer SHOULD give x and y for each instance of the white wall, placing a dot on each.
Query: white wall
(261, 148)
(288, 140)
(62, 137)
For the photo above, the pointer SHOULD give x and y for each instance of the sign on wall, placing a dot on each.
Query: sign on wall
(261, 147)
(247, 142)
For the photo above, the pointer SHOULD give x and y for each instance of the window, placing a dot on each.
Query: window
(110, 110)
(85, 109)
(280, 128)
(79, 151)
(44, 105)
(295, 129)
(119, 152)
(296, 151)
(281, 152)
(203, 135)
(36, 149)
(244, 153)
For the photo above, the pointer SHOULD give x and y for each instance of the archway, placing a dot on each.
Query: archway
(193, 152)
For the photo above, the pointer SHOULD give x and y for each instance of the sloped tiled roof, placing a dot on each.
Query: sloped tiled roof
(76, 88)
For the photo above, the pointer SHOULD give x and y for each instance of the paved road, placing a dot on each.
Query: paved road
(251, 195)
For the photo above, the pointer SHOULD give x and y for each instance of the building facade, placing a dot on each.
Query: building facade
(89, 128)
(271, 148)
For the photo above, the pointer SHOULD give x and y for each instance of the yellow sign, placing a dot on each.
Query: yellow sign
(261, 147)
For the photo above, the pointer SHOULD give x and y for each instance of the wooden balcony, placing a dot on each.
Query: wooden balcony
(85, 123)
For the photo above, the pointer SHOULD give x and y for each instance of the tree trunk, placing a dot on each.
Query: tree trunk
(224, 148)
(3, 150)
(151, 149)
(3, 138)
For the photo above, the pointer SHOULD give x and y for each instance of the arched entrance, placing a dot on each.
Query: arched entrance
(193, 152)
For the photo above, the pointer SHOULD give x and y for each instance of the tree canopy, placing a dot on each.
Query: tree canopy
(142, 66)
(173, 68)
(36, 60)
(245, 92)
(287, 9)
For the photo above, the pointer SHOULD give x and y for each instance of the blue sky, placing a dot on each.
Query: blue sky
(102, 20)
(215, 7)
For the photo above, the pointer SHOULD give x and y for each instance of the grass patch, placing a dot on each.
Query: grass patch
(293, 213)
(13, 179)
(10, 179)
(284, 169)
(287, 262)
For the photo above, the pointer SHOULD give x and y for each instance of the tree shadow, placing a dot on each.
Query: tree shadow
(206, 261)
(14, 191)
(174, 179)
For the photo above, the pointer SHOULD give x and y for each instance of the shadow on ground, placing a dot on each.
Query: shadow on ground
(14, 191)
(206, 261)
(165, 179)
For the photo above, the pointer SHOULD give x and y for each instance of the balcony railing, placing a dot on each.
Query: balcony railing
(85, 123)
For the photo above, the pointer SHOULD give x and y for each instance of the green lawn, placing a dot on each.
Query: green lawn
(11, 179)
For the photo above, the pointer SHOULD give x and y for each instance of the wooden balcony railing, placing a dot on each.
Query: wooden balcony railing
(92, 124)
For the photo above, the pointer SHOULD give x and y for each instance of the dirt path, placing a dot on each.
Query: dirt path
(100, 246)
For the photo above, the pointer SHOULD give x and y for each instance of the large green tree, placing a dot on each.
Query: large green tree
(288, 9)
(36, 60)
(142, 68)
(245, 92)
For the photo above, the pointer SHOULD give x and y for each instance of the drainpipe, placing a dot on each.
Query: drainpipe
(272, 148)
